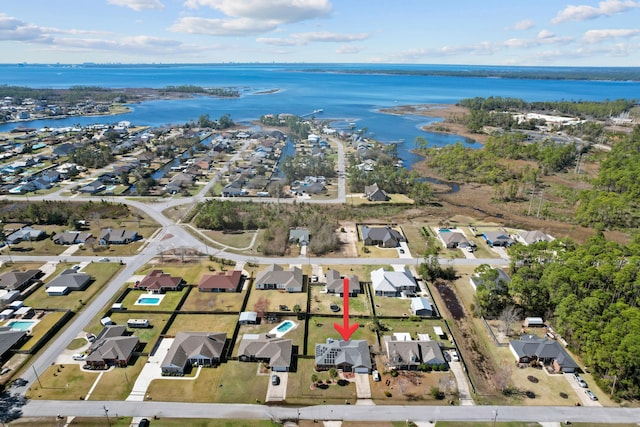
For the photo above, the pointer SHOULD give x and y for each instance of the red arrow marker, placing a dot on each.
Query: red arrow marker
(345, 329)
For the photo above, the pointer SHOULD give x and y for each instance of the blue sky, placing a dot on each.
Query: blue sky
(521, 32)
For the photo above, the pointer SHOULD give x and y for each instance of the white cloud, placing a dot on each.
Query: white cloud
(15, 29)
(585, 12)
(297, 39)
(596, 36)
(349, 49)
(522, 25)
(282, 11)
(222, 27)
(138, 5)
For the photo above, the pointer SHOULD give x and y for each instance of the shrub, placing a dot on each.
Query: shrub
(387, 393)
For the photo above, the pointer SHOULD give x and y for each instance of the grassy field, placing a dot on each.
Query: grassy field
(62, 382)
(213, 301)
(226, 383)
(392, 306)
(299, 390)
(41, 328)
(203, 323)
(321, 301)
(277, 298)
(190, 272)
(169, 301)
(116, 383)
(102, 272)
(234, 240)
(413, 388)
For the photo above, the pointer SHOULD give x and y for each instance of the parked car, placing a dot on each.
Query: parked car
(334, 307)
(314, 278)
(401, 251)
(5, 371)
(376, 375)
(144, 422)
(78, 356)
(591, 395)
(90, 337)
(581, 382)
(275, 380)
(20, 382)
(104, 260)
(454, 356)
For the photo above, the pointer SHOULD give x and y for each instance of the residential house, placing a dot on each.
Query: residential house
(410, 354)
(158, 282)
(234, 189)
(276, 277)
(193, 349)
(497, 238)
(495, 278)
(71, 280)
(530, 348)
(373, 193)
(452, 239)
(93, 187)
(16, 280)
(299, 236)
(119, 236)
(393, 283)
(335, 284)
(112, 348)
(70, 238)
(385, 237)
(421, 306)
(531, 237)
(51, 175)
(348, 356)
(10, 339)
(276, 352)
(221, 282)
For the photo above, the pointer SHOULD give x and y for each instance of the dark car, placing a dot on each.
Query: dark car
(144, 423)
(334, 307)
(20, 382)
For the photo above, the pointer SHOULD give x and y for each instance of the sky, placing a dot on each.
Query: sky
(474, 32)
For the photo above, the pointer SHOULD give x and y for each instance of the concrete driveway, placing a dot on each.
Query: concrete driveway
(150, 371)
(584, 399)
(278, 393)
(463, 386)
(363, 386)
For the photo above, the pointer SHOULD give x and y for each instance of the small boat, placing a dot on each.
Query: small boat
(319, 110)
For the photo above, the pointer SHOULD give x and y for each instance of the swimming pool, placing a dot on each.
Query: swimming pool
(149, 300)
(21, 325)
(283, 328)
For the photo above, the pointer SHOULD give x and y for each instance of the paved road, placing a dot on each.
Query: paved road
(334, 412)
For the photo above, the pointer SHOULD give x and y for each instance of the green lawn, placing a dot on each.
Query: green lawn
(181, 389)
(320, 303)
(213, 301)
(392, 306)
(101, 272)
(299, 390)
(277, 298)
(204, 323)
(234, 240)
(169, 301)
(116, 384)
(233, 388)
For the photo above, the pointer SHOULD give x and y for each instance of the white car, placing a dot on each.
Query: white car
(454, 356)
(78, 356)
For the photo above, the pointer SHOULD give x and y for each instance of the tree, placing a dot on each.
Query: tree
(297, 309)
(507, 318)
(333, 373)
(261, 307)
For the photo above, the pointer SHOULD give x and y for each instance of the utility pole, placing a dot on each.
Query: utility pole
(106, 414)
(540, 203)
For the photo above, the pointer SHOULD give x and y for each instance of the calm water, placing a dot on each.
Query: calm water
(344, 97)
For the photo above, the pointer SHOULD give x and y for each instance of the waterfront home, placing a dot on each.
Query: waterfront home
(193, 349)
(385, 237)
(373, 193)
(348, 356)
